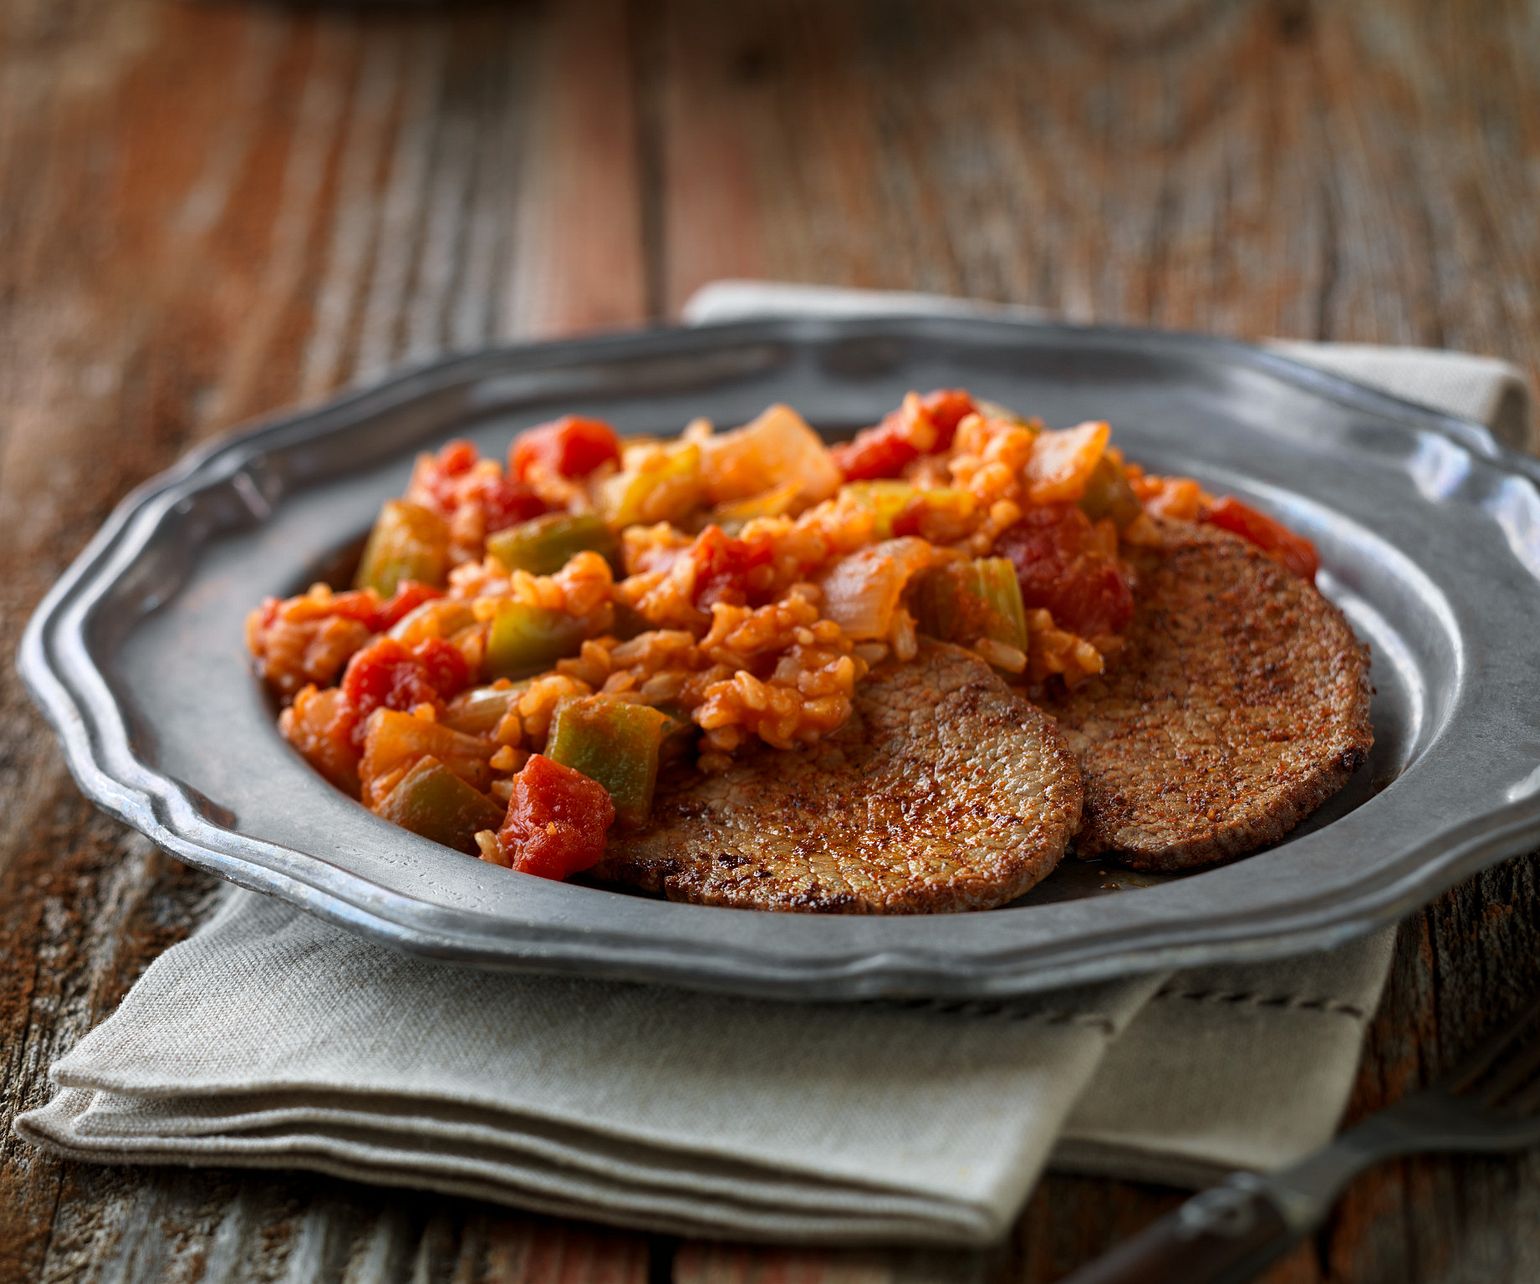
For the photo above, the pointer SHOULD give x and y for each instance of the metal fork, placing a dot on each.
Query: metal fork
(1229, 1233)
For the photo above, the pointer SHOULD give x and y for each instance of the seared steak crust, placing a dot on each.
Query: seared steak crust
(1239, 705)
(943, 792)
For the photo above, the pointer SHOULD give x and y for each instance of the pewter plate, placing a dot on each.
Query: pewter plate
(1429, 533)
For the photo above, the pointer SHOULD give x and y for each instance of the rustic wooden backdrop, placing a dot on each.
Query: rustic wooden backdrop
(213, 210)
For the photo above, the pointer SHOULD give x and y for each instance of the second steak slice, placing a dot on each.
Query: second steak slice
(1239, 704)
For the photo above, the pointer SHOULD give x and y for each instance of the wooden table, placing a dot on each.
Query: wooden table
(209, 211)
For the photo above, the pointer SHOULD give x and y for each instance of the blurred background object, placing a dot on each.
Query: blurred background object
(211, 210)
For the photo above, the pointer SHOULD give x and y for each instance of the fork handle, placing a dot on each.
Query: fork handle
(1225, 1235)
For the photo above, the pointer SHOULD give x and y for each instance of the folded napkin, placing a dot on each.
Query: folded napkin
(270, 1039)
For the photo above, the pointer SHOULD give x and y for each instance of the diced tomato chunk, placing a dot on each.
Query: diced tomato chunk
(438, 474)
(319, 725)
(1061, 571)
(506, 502)
(362, 605)
(883, 451)
(910, 519)
(458, 456)
(388, 675)
(920, 426)
(409, 595)
(569, 447)
(451, 479)
(1270, 535)
(447, 671)
(948, 407)
(557, 820)
(724, 567)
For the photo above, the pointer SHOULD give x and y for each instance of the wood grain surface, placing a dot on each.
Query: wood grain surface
(209, 211)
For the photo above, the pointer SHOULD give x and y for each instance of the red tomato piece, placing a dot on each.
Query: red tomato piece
(320, 726)
(409, 595)
(1275, 539)
(723, 566)
(919, 427)
(386, 675)
(947, 408)
(458, 456)
(506, 502)
(362, 605)
(450, 479)
(883, 451)
(910, 519)
(446, 669)
(439, 474)
(557, 820)
(569, 447)
(1086, 591)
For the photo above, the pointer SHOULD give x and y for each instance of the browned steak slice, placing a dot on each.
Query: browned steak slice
(943, 792)
(1239, 705)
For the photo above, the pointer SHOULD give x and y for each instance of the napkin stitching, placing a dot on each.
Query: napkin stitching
(1099, 1021)
(1258, 999)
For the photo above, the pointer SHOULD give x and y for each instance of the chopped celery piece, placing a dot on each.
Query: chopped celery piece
(885, 500)
(775, 502)
(526, 639)
(614, 742)
(408, 542)
(432, 801)
(965, 601)
(1108, 494)
(936, 598)
(657, 484)
(546, 544)
(1000, 588)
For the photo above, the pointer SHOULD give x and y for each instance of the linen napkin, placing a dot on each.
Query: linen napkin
(270, 1039)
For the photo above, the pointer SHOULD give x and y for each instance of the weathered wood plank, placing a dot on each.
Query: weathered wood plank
(258, 204)
(737, 1264)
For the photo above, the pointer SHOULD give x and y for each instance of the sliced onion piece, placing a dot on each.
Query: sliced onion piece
(1062, 462)
(862, 591)
(777, 445)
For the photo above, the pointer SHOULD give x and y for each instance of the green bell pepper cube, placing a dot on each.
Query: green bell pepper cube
(408, 542)
(524, 640)
(964, 601)
(1108, 494)
(666, 489)
(432, 801)
(614, 742)
(546, 544)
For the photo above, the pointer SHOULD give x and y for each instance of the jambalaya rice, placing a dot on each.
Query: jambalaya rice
(526, 645)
